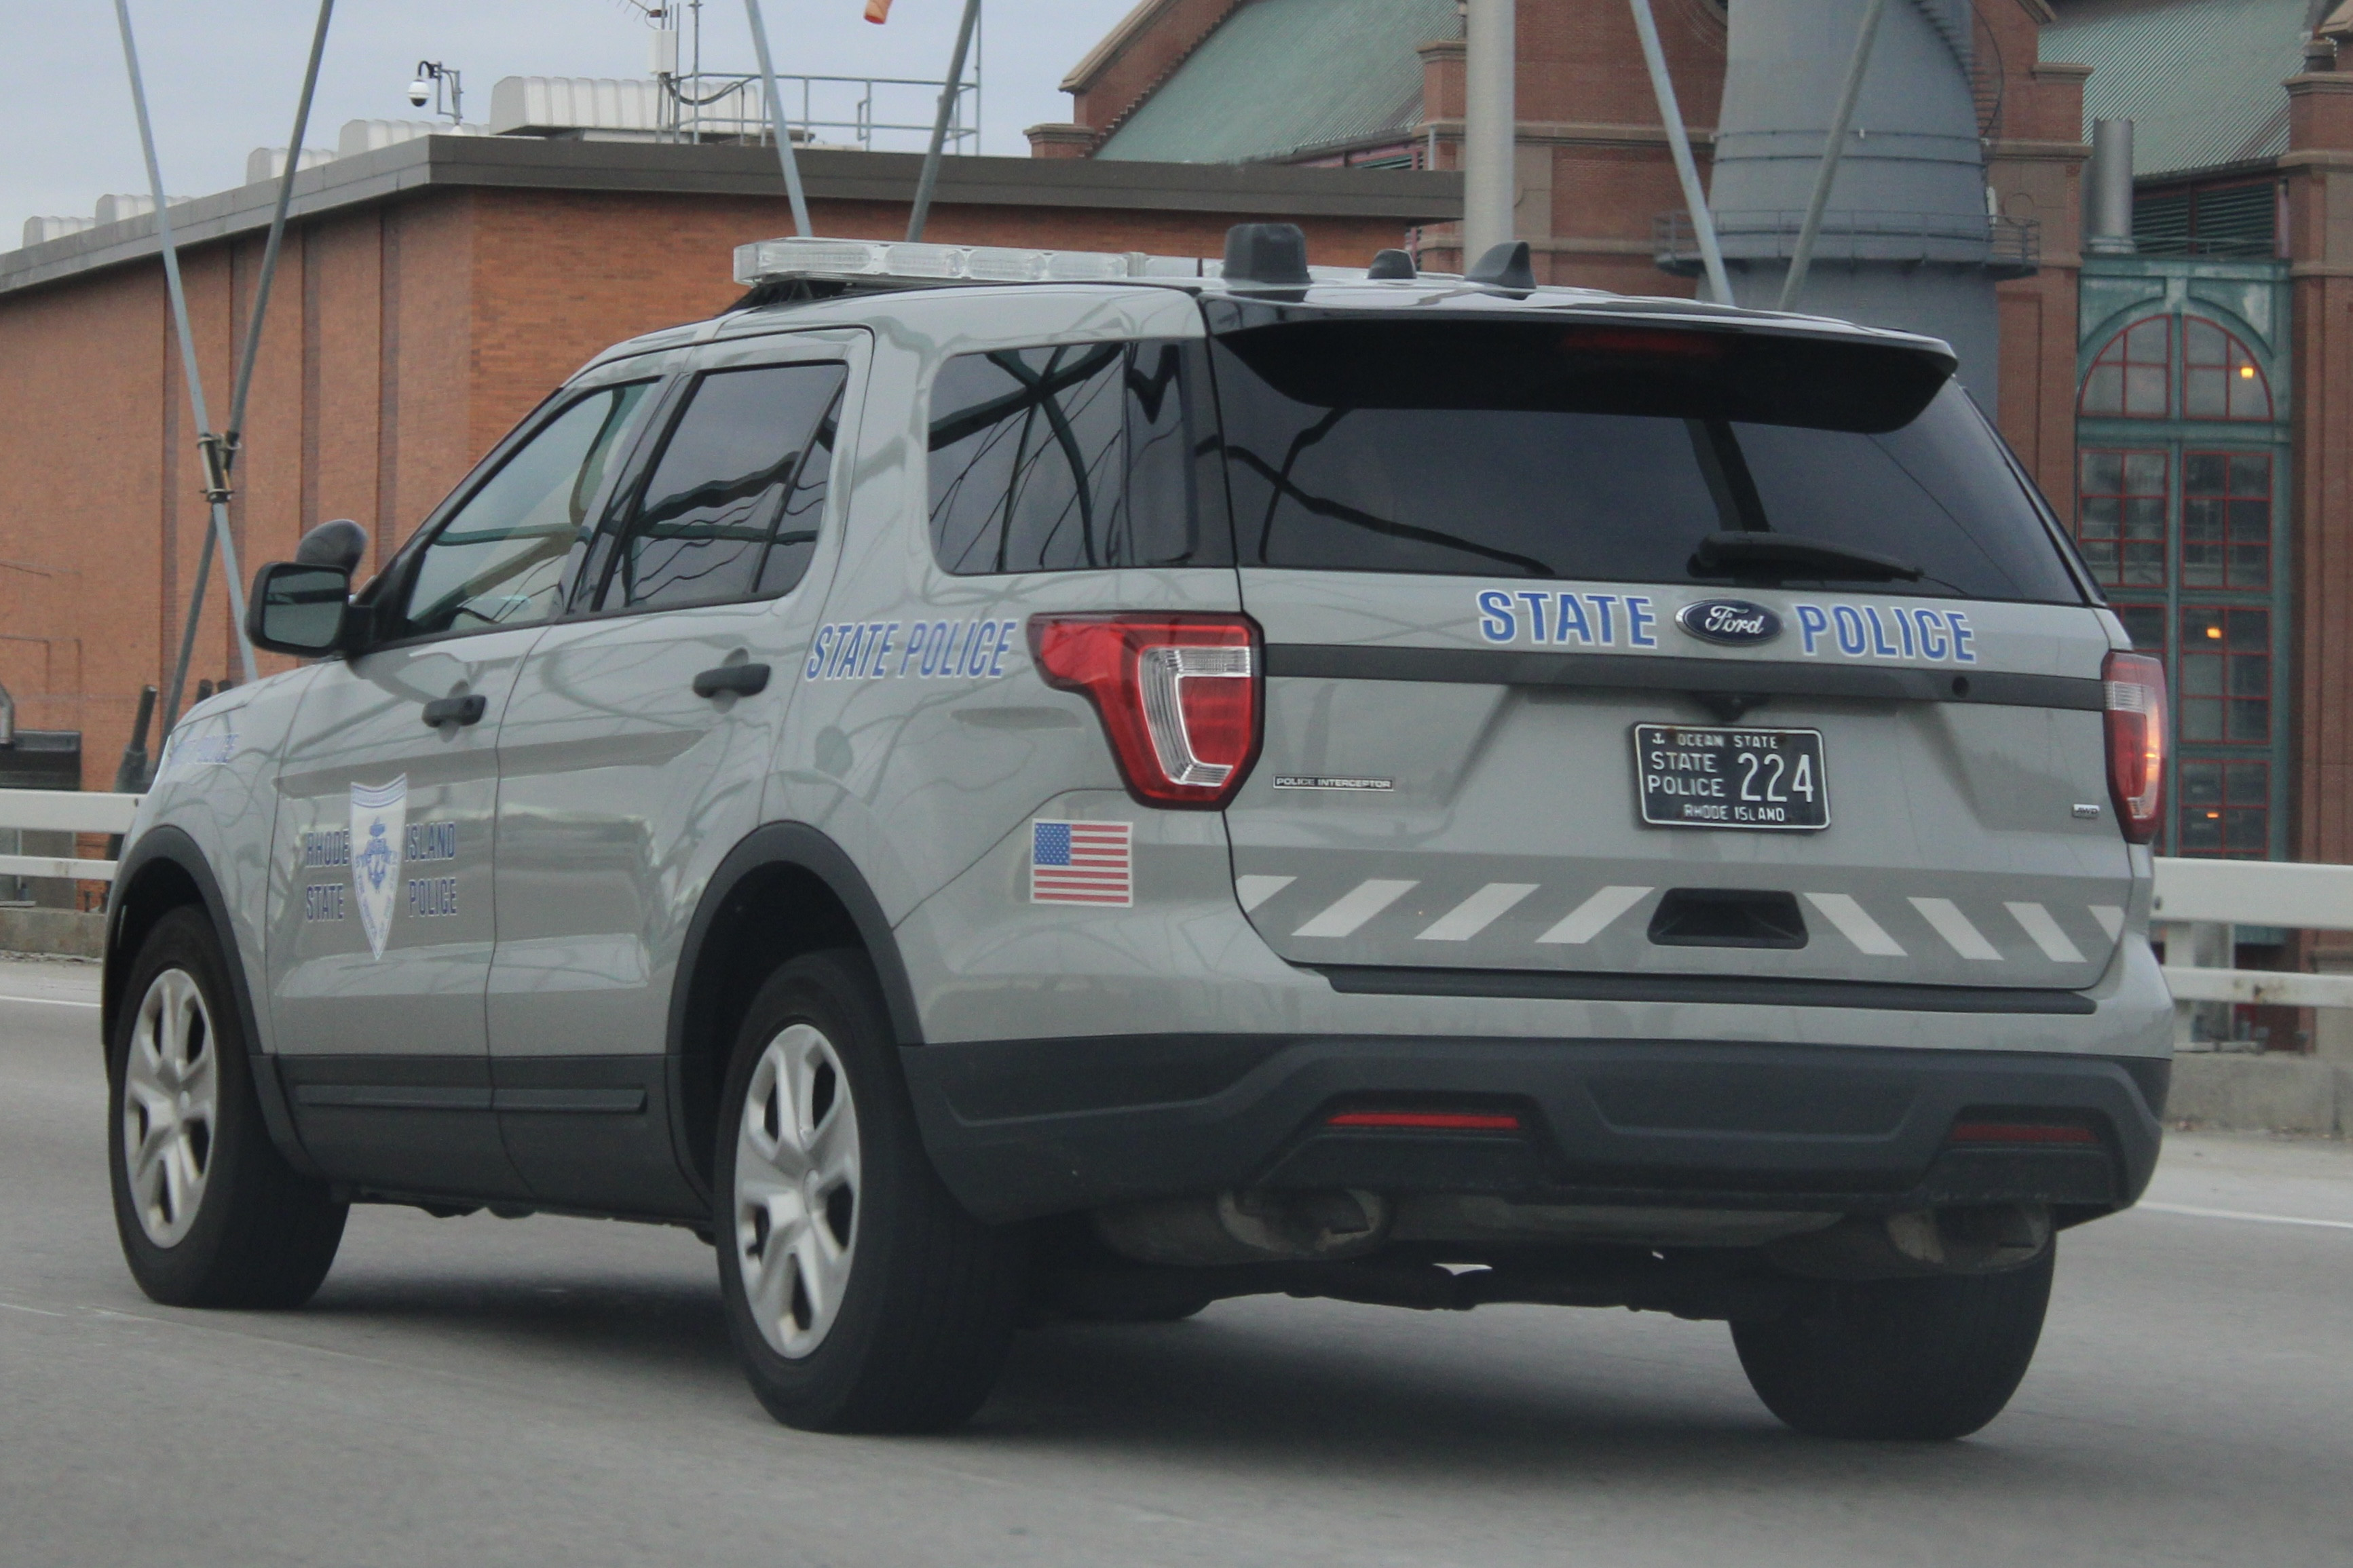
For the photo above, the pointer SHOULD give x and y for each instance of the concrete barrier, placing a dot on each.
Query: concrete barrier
(70, 932)
(2270, 1093)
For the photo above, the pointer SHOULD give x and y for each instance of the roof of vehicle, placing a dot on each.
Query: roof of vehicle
(850, 300)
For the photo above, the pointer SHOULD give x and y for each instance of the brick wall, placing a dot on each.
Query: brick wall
(404, 340)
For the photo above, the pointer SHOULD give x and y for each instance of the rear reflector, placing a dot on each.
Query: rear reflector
(1429, 1121)
(1178, 696)
(2023, 1132)
(2136, 719)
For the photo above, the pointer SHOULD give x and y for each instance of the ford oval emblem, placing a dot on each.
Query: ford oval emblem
(1734, 621)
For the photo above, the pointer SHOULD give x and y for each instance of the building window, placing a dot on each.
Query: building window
(2225, 808)
(2226, 520)
(2226, 673)
(2132, 376)
(2122, 531)
(2145, 623)
(2220, 379)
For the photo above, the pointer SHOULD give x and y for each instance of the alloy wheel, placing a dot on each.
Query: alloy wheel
(171, 1106)
(797, 1190)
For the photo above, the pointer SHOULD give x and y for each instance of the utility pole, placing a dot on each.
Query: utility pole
(1490, 126)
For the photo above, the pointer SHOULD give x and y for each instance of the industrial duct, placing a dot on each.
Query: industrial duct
(2108, 190)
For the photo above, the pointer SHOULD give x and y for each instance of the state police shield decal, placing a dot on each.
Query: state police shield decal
(379, 815)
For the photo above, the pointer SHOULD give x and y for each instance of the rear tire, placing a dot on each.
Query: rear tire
(209, 1213)
(1897, 1359)
(859, 1295)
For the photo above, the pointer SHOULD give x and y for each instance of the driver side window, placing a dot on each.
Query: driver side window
(499, 559)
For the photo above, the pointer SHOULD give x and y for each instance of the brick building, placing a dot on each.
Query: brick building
(431, 292)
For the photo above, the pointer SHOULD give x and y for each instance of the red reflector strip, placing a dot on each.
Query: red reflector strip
(1429, 1121)
(2022, 1133)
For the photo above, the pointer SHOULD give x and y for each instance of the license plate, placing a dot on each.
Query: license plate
(1723, 776)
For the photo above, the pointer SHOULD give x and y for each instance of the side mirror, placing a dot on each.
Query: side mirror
(298, 608)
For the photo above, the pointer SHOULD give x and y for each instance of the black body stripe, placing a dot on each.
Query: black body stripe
(1665, 672)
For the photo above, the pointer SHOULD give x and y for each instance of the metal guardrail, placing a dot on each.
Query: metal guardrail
(2203, 899)
(63, 811)
(735, 106)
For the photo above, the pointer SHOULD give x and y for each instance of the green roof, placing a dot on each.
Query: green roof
(1279, 76)
(2199, 78)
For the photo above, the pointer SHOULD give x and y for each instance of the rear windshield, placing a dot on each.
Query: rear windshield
(1543, 450)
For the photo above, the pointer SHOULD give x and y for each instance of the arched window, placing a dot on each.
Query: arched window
(2132, 376)
(2220, 379)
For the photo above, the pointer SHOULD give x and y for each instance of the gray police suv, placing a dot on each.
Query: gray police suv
(995, 785)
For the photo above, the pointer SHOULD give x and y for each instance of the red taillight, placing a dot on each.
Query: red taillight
(1178, 696)
(2030, 1132)
(1429, 1121)
(2137, 710)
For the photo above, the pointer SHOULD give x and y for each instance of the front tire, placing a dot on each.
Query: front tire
(1897, 1359)
(209, 1213)
(859, 1295)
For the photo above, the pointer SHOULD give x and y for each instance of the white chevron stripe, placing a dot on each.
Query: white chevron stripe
(2039, 925)
(1477, 912)
(1857, 927)
(1255, 891)
(2111, 919)
(1955, 928)
(1354, 907)
(1589, 918)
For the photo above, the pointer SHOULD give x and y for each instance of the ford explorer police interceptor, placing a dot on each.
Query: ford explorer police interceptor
(995, 784)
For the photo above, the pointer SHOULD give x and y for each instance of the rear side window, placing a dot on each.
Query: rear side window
(731, 507)
(1540, 450)
(1058, 460)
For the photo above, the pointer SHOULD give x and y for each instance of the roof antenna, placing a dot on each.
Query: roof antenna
(1505, 267)
(1266, 256)
(950, 94)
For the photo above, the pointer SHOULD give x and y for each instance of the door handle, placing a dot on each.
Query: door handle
(467, 709)
(743, 679)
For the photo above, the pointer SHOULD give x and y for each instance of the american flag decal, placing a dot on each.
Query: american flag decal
(1081, 863)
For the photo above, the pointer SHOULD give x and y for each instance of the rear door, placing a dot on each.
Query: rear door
(635, 750)
(1632, 652)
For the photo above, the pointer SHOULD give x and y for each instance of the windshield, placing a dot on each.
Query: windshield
(1542, 451)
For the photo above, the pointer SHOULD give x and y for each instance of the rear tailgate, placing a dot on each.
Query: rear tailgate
(1429, 797)
(1633, 651)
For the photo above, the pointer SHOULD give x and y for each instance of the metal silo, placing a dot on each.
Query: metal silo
(1905, 239)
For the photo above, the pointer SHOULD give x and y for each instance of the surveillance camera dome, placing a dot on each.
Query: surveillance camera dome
(419, 90)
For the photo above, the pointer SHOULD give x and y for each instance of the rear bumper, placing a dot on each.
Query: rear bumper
(1024, 1128)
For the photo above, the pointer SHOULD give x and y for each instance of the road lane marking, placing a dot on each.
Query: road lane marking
(12, 1307)
(51, 1002)
(2243, 1215)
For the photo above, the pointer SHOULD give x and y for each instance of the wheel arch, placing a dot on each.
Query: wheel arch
(166, 870)
(787, 888)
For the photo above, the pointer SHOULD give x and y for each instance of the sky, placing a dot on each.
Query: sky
(222, 75)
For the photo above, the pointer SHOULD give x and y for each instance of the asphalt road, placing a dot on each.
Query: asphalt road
(481, 1391)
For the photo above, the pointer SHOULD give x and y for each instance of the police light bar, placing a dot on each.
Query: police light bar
(906, 261)
(779, 260)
